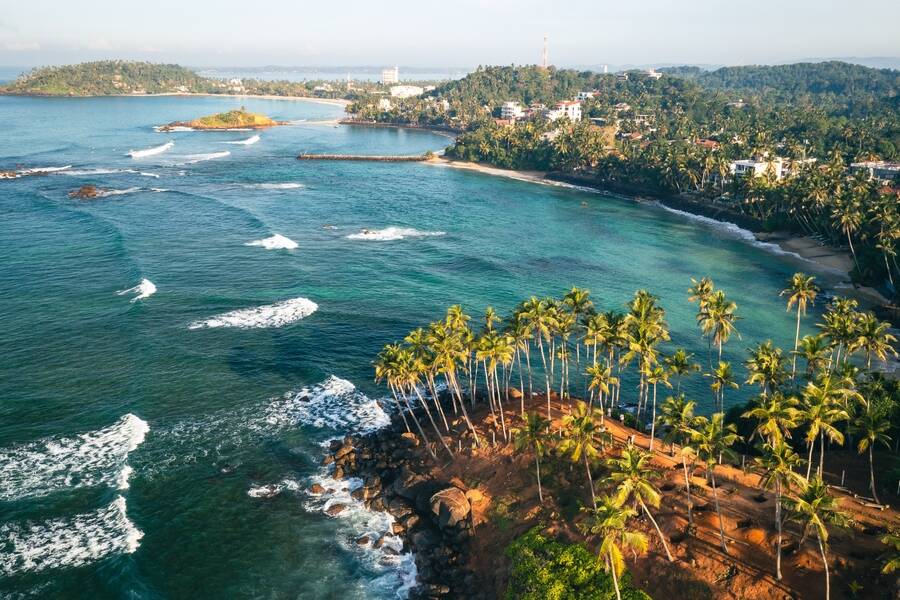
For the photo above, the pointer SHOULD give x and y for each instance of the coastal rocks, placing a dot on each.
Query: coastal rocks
(450, 506)
(85, 192)
(316, 489)
(335, 509)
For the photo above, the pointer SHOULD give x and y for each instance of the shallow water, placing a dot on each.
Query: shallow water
(135, 439)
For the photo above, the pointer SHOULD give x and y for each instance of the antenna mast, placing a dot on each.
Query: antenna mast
(544, 60)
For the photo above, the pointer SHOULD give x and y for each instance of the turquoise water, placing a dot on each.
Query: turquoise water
(178, 424)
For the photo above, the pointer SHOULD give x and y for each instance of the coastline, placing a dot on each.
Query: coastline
(329, 101)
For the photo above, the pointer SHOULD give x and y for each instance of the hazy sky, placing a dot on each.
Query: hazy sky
(451, 33)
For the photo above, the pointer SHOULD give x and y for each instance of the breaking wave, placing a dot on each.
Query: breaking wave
(195, 158)
(151, 151)
(275, 186)
(275, 242)
(274, 489)
(90, 459)
(106, 193)
(98, 171)
(334, 403)
(39, 170)
(144, 289)
(68, 542)
(391, 233)
(167, 128)
(249, 141)
(271, 315)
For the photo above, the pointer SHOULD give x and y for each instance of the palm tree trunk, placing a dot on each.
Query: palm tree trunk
(872, 474)
(718, 510)
(612, 568)
(437, 401)
(500, 406)
(796, 344)
(546, 379)
(687, 487)
(653, 422)
(809, 461)
(658, 531)
(437, 432)
(528, 364)
(587, 467)
(399, 407)
(521, 384)
(464, 412)
(778, 526)
(537, 460)
(852, 251)
(825, 563)
(822, 453)
(418, 426)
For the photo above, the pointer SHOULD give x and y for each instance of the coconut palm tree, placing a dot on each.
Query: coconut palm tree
(776, 415)
(892, 557)
(717, 319)
(712, 439)
(766, 367)
(655, 376)
(532, 435)
(449, 351)
(722, 379)
(677, 416)
(579, 302)
(580, 439)
(609, 519)
(813, 349)
(776, 468)
(801, 291)
(631, 474)
(840, 324)
(394, 364)
(821, 408)
(601, 381)
(680, 365)
(874, 338)
(814, 508)
(871, 426)
(541, 321)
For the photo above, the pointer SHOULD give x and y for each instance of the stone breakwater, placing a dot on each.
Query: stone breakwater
(433, 516)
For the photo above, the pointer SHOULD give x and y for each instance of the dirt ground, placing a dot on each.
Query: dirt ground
(700, 570)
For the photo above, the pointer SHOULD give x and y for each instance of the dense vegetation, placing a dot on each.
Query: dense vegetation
(819, 394)
(110, 77)
(232, 118)
(649, 141)
(545, 569)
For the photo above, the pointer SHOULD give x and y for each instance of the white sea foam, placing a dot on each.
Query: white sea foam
(733, 230)
(67, 542)
(160, 190)
(113, 192)
(90, 459)
(39, 170)
(391, 233)
(146, 174)
(397, 569)
(98, 171)
(151, 151)
(144, 289)
(195, 158)
(274, 489)
(249, 141)
(166, 128)
(334, 403)
(275, 186)
(275, 242)
(271, 315)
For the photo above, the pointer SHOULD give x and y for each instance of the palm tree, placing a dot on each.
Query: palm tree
(677, 416)
(540, 320)
(722, 380)
(393, 364)
(814, 508)
(766, 367)
(801, 291)
(449, 350)
(776, 467)
(892, 557)
(717, 319)
(631, 474)
(874, 338)
(872, 427)
(712, 439)
(601, 380)
(579, 303)
(813, 349)
(532, 435)
(821, 408)
(655, 376)
(847, 216)
(680, 365)
(609, 519)
(776, 414)
(580, 439)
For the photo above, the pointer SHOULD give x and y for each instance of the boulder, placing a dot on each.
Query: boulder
(409, 439)
(450, 506)
(316, 489)
(335, 509)
(85, 192)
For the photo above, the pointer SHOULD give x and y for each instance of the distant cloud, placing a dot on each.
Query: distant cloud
(21, 46)
(99, 44)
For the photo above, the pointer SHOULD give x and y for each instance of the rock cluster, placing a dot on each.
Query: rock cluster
(433, 516)
(85, 192)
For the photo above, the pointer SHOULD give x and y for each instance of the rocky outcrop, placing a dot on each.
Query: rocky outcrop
(432, 516)
(85, 192)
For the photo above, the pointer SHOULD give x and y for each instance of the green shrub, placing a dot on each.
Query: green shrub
(544, 569)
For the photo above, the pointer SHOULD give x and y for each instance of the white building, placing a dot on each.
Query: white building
(758, 167)
(878, 169)
(384, 104)
(653, 73)
(512, 110)
(406, 91)
(389, 76)
(582, 96)
(569, 108)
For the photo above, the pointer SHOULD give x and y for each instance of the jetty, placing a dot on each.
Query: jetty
(367, 157)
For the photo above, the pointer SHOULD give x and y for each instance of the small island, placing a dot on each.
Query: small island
(233, 119)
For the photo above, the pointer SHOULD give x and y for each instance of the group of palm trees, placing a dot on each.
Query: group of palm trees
(822, 392)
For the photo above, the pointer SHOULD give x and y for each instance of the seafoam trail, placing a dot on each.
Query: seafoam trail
(90, 459)
(271, 315)
(67, 542)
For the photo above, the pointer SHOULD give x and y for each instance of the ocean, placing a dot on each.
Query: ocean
(177, 351)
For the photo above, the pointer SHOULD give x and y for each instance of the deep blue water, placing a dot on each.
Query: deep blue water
(129, 441)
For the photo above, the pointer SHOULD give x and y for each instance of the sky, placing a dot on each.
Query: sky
(452, 33)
